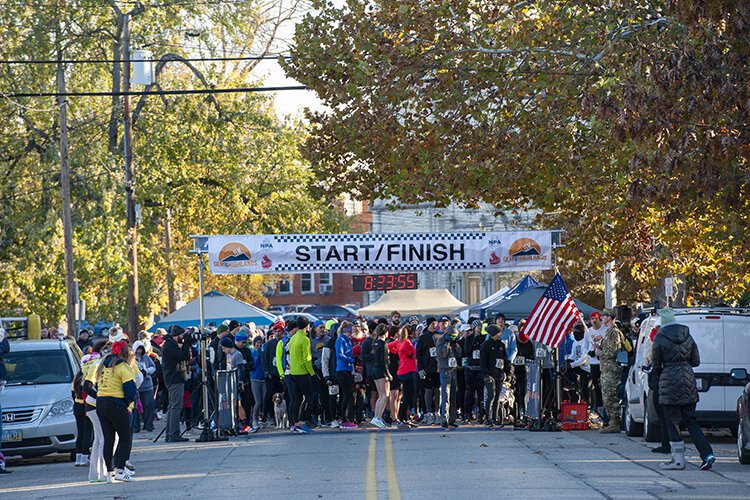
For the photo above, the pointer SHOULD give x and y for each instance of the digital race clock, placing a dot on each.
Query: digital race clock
(371, 282)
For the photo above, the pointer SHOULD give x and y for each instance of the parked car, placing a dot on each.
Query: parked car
(293, 316)
(723, 339)
(328, 312)
(37, 405)
(743, 417)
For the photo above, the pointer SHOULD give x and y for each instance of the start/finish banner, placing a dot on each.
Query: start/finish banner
(366, 253)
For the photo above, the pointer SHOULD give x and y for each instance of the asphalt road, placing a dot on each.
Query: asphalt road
(466, 463)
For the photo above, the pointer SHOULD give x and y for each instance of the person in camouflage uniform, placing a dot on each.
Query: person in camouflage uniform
(612, 343)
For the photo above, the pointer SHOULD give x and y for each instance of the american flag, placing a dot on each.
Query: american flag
(553, 316)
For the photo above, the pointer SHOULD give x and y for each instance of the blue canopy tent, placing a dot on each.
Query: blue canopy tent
(521, 305)
(216, 307)
(481, 307)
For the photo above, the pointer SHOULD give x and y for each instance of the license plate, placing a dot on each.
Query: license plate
(11, 436)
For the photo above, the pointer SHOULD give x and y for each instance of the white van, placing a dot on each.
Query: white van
(723, 339)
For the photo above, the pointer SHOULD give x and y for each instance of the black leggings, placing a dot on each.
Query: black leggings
(474, 392)
(346, 393)
(303, 388)
(596, 381)
(115, 418)
(410, 387)
(85, 435)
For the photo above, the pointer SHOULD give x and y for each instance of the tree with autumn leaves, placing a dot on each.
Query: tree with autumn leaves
(624, 122)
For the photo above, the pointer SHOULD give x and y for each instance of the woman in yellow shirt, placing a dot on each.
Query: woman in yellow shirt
(116, 391)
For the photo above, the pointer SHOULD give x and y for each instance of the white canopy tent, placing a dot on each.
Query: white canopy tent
(409, 302)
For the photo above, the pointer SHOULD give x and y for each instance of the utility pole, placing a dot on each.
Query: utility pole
(610, 284)
(133, 321)
(70, 286)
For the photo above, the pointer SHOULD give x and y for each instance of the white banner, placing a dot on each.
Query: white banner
(366, 253)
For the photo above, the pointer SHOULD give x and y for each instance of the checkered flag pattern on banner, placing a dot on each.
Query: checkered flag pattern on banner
(553, 315)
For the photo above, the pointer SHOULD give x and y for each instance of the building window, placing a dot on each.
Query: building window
(306, 283)
(285, 287)
(325, 281)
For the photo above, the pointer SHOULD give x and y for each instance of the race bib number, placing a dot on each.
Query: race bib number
(357, 377)
(464, 361)
(541, 352)
(520, 360)
(499, 364)
(273, 362)
(333, 390)
(475, 355)
(452, 363)
(433, 352)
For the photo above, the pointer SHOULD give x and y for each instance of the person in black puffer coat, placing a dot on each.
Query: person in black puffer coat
(674, 355)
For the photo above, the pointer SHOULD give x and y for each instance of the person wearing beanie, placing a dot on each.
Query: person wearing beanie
(344, 354)
(525, 353)
(449, 353)
(146, 366)
(318, 340)
(612, 343)
(245, 391)
(674, 355)
(270, 368)
(300, 378)
(219, 360)
(235, 361)
(257, 382)
(596, 332)
(473, 379)
(429, 374)
(493, 360)
(175, 357)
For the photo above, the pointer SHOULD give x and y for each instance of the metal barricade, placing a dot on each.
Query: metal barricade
(226, 397)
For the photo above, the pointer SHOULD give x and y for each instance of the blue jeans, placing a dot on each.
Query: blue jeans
(448, 391)
(147, 401)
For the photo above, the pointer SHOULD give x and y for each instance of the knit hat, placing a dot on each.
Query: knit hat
(476, 323)
(227, 342)
(493, 330)
(174, 331)
(241, 336)
(429, 321)
(667, 316)
(280, 324)
(317, 324)
(233, 324)
(413, 318)
(595, 315)
(222, 328)
(523, 338)
(115, 334)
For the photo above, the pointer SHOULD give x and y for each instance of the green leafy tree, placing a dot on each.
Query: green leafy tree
(624, 122)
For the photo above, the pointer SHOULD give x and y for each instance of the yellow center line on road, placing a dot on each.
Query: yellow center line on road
(371, 491)
(394, 492)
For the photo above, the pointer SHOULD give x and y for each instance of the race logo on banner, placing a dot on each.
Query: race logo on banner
(367, 253)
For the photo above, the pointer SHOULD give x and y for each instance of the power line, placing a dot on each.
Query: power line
(156, 92)
(118, 61)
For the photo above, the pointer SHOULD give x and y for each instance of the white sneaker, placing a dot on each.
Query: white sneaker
(110, 477)
(130, 465)
(377, 423)
(123, 475)
(335, 424)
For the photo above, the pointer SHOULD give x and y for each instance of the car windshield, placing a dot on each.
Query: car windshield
(37, 367)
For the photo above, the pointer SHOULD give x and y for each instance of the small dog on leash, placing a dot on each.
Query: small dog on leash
(279, 411)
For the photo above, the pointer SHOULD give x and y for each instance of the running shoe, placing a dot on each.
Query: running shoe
(335, 424)
(348, 425)
(303, 429)
(123, 475)
(377, 423)
(253, 429)
(708, 462)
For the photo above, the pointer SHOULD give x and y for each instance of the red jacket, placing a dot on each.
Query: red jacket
(407, 356)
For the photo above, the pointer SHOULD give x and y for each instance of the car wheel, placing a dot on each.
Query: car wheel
(651, 430)
(742, 453)
(632, 428)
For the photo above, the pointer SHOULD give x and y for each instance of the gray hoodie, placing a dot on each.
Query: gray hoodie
(447, 350)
